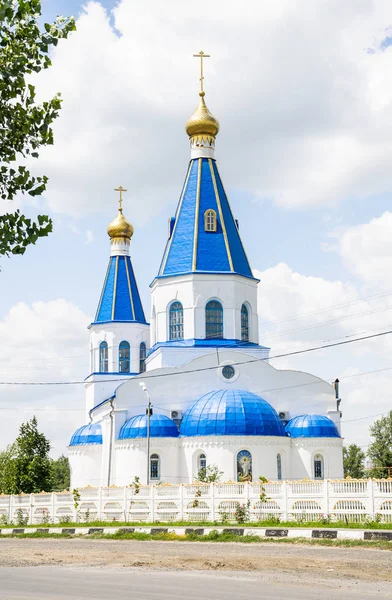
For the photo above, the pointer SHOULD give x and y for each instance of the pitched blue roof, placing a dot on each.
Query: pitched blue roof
(120, 300)
(231, 412)
(136, 427)
(311, 426)
(88, 434)
(191, 249)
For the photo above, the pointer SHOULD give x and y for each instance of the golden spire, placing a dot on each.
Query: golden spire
(202, 125)
(120, 228)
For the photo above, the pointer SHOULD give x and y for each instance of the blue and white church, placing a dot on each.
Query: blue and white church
(215, 398)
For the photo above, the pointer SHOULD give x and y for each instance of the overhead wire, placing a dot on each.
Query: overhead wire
(201, 369)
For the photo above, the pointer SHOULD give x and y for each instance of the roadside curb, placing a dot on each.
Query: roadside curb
(295, 532)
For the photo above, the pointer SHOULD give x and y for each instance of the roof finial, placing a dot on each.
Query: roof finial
(121, 190)
(201, 55)
(120, 229)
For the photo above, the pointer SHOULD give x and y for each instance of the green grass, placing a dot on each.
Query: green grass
(214, 536)
(203, 524)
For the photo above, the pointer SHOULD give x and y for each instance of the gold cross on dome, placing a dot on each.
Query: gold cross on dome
(121, 190)
(201, 55)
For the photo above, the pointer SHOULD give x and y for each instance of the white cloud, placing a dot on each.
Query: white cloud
(367, 250)
(305, 110)
(89, 236)
(298, 312)
(45, 342)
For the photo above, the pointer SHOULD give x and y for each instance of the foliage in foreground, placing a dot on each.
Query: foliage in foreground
(25, 465)
(380, 449)
(25, 125)
(353, 462)
(320, 524)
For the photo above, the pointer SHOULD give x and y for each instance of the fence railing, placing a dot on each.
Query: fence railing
(347, 500)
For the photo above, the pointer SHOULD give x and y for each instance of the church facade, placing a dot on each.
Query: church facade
(216, 400)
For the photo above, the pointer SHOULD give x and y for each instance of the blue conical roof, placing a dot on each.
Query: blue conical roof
(120, 300)
(192, 249)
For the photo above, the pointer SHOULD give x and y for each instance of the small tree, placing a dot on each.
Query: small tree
(32, 462)
(380, 449)
(25, 126)
(7, 470)
(211, 474)
(60, 474)
(353, 462)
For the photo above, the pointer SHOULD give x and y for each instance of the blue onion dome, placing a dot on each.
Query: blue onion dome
(231, 412)
(312, 426)
(160, 426)
(88, 434)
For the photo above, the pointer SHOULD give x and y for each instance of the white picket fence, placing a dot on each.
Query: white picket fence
(347, 500)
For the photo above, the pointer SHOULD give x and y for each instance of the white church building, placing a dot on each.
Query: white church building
(215, 398)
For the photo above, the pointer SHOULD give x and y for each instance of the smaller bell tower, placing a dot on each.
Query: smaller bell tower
(119, 334)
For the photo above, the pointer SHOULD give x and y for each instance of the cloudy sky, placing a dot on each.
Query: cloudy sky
(303, 92)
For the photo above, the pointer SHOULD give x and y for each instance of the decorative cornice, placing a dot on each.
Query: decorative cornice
(84, 450)
(316, 442)
(227, 441)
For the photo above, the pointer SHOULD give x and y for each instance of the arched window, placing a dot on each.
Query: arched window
(279, 466)
(244, 323)
(214, 320)
(201, 463)
(176, 321)
(155, 466)
(318, 466)
(124, 357)
(142, 357)
(210, 220)
(244, 466)
(103, 357)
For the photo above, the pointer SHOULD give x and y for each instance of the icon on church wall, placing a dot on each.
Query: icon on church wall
(244, 466)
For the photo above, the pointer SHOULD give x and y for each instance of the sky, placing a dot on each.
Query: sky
(303, 93)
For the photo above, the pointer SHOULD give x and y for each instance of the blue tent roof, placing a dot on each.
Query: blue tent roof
(120, 300)
(192, 249)
(88, 434)
(160, 426)
(231, 412)
(311, 426)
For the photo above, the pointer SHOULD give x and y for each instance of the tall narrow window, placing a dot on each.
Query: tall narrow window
(279, 466)
(142, 357)
(201, 463)
(154, 466)
(103, 357)
(318, 465)
(176, 321)
(214, 320)
(124, 357)
(244, 323)
(210, 220)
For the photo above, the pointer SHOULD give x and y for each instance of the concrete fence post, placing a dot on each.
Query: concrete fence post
(285, 501)
(53, 507)
(31, 516)
(212, 500)
(326, 496)
(152, 503)
(371, 494)
(181, 502)
(99, 504)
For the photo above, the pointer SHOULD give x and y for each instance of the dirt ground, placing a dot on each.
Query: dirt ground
(370, 567)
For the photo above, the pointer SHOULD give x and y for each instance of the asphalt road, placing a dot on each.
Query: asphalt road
(60, 583)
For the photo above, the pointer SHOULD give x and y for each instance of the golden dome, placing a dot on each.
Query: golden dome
(202, 123)
(120, 227)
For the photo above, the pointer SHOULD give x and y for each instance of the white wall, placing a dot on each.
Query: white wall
(100, 386)
(86, 465)
(131, 460)
(194, 291)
